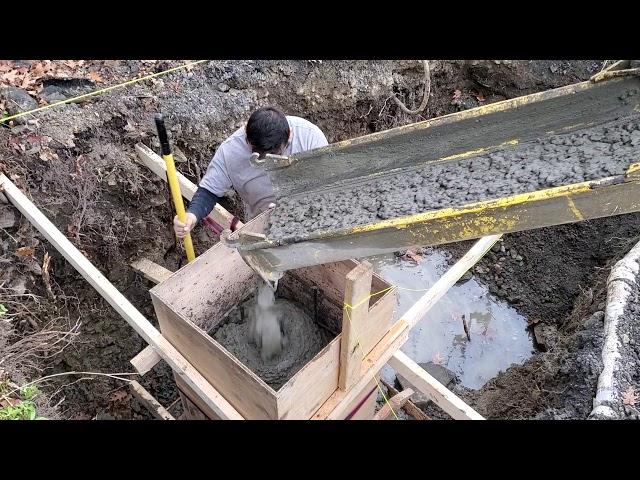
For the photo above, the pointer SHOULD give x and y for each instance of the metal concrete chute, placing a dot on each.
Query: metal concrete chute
(611, 95)
(458, 135)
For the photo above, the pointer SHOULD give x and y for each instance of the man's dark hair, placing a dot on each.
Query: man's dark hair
(267, 130)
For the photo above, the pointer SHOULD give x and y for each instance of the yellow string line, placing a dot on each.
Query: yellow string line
(346, 310)
(383, 291)
(101, 91)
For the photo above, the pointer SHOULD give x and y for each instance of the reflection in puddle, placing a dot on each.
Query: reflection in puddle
(498, 335)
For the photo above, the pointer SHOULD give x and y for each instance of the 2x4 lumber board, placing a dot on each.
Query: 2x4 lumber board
(335, 406)
(433, 389)
(194, 408)
(303, 394)
(118, 301)
(148, 358)
(151, 271)
(378, 321)
(219, 273)
(393, 404)
(150, 402)
(157, 165)
(409, 407)
(354, 316)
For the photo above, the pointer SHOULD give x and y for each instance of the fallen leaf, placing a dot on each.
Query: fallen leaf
(6, 65)
(95, 76)
(27, 81)
(80, 161)
(480, 97)
(48, 155)
(174, 86)
(25, 252)
(48, 66)
(46, 261)
(74, 63)
(630, 397)
(15, 144)
(533, 321)
(457, 94)
(32, 138)
(118, 396)
(38, 69)
(10, 77)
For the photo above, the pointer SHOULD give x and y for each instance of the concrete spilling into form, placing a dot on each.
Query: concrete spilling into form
(557, 160)
(302, 339)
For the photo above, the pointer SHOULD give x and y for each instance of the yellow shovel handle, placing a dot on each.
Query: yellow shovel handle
(174, 186)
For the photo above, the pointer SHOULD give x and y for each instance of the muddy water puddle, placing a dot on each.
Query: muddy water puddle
(498, 332)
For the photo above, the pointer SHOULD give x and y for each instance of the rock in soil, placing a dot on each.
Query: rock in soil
(545, 335)
(440, 373)
(7, 216)
(18, 100)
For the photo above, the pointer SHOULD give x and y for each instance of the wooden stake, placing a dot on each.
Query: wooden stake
(409, 407)
(396, 402)
(354, 317)
(150, 402)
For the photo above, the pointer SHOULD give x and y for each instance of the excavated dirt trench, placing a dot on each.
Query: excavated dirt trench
(117, 211)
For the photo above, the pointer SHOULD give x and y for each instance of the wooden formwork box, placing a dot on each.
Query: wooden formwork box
(195, 299)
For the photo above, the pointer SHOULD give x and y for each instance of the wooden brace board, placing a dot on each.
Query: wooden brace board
(157, 165)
